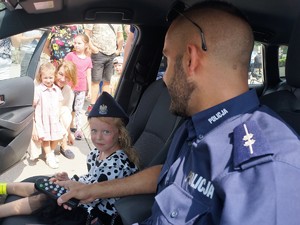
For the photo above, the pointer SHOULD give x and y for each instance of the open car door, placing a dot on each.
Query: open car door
(16, 98)
(16, 119)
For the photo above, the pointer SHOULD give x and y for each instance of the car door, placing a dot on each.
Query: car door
(16, 98)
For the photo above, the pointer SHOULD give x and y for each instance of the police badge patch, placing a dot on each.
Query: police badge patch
(249, 142)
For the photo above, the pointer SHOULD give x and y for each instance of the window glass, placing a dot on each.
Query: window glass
(282, 51)
(116, 49)
(162, 68)
(2, 6)
(16, 52)
(255, 74)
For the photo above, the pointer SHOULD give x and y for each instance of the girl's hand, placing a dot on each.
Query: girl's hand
(35, 136)
(70, 139)
(63, 176)
(88, 96)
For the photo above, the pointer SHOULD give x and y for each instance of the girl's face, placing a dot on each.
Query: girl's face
(61, 80)
(79, 45)
(47, 79)
(104, 136)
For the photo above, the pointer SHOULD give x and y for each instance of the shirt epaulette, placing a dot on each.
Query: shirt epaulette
(250, 146)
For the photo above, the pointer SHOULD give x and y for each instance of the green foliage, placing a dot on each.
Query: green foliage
(281, 62)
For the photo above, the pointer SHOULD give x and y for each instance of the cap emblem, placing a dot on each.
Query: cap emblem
(103, 109)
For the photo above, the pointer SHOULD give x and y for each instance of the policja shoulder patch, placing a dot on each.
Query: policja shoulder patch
(249, 143)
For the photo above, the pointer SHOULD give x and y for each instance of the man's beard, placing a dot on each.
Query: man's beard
(180, 90)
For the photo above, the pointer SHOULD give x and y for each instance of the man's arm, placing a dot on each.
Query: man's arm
(88, 32)
(143, 182)
(120, 42)
(128, 45)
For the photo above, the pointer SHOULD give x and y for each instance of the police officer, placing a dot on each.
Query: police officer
(232, 161)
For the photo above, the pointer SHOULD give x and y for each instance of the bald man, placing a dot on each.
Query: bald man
(232, 161)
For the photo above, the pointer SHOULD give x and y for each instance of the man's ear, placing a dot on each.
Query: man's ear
(193, 57)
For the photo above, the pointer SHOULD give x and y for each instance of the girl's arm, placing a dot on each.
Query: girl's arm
(89, 82)
(35, 135)
(38, 128)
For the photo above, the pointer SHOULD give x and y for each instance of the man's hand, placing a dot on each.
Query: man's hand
(75, 190)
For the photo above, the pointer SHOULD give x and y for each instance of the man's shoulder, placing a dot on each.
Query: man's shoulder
(264, 137)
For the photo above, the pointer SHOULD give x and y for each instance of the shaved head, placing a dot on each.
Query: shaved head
(228, 36)
(208, 48)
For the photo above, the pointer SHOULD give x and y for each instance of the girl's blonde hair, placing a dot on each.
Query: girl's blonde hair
(45, 68)
(86, 41)
(70, 71)
(124, 140)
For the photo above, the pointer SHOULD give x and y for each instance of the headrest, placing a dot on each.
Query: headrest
(292, 67)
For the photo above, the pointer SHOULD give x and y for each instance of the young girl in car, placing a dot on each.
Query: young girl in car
(113, 157)
(80, 57)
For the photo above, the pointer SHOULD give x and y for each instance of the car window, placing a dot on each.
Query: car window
(16, 52)
(129, 35)
(2, 6)
(162, 68)
(255, 73)
(282, 52)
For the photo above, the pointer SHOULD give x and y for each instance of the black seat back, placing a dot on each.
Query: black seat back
(152, 123)
(286, 100)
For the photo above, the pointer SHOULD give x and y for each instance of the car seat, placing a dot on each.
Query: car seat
(286, 99)
(152, 123)
(150, 128)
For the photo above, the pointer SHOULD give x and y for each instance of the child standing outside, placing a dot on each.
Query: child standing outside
(114, 80)
(113, 157)
(47, 99)
(80, 57)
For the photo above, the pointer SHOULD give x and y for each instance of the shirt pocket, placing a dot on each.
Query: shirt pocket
(178, 206)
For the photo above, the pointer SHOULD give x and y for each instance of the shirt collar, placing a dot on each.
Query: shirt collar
(203, 122)
(45, 88)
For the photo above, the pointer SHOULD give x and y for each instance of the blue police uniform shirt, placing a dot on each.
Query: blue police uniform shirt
(235, 163)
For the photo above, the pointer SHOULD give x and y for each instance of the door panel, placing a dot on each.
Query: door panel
(16, 119)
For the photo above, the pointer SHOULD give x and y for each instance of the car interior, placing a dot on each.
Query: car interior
(276, 27)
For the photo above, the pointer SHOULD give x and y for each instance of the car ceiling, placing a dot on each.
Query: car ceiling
(272, 20)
